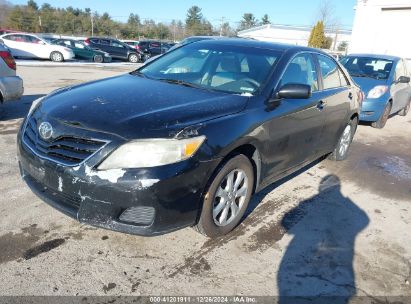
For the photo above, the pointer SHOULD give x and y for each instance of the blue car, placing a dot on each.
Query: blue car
(385, 82)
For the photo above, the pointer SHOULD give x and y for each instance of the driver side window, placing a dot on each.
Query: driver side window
(301, 70)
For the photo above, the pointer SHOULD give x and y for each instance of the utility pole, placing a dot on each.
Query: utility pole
(221, 27)
(92, 24)
(335, 39)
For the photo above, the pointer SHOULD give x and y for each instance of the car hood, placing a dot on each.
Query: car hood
(367, 84)
(131, 106)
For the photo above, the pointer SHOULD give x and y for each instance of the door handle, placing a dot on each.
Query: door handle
(321, 104)
(350, 96)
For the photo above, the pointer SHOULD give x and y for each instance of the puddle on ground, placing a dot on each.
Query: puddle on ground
(383, 168)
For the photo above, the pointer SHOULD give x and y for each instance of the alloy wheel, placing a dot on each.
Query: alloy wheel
(230, 197)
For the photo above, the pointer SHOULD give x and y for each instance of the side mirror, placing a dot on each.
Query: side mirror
(294, 91)
(404, 79)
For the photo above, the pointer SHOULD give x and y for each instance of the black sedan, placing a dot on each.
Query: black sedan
(187, 139)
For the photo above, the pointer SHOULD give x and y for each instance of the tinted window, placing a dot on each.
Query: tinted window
(104, 42)
(116, 44)
(330, 72)
(216, 67)
(79, 45)
(17, 38)
(32, 39)
(301, 70)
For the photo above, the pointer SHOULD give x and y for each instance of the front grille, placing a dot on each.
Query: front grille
(66, 149)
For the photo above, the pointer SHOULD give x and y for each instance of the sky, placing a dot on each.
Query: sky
(289, 12)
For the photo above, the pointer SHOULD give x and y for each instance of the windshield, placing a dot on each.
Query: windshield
(368, 67)
(232, 69)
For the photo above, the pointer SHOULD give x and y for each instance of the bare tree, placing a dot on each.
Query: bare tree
(326, 14)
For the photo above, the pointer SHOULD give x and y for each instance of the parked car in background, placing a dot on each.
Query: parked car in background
(32, 46)
(114, 47)
(11, 86)
(83, 51)
(151, 48)
(385, 81)
(187, 139)
(6, 31)
(132, 43)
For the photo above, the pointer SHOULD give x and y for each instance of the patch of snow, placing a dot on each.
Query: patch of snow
(112, 175)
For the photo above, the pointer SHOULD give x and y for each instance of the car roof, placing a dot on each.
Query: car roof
(243, 42)
(384, 57)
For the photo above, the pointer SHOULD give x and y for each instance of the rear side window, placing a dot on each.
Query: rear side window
(301, 70)
(330, 72)
(116, 44)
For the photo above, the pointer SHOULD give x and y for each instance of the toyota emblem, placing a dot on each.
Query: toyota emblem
(45, 130)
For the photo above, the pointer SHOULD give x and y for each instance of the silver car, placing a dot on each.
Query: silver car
(11, 86)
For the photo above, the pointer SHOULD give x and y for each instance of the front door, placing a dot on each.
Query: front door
(336, 96)
(295, 129)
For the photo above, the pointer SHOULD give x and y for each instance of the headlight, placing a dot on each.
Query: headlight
(151, 153)
(34, 105)
(377, 92)
(106, 54)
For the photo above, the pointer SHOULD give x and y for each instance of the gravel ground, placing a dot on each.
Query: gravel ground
(331, 229)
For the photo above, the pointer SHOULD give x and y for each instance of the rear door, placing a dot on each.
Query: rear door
(118, 49)
(17, 45)
(400, 91)
(295, 129)
(336, 96)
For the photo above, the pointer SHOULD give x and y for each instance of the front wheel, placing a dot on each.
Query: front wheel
(98, 58)
(133, 58)
(56, 57)
(227, 197)
(381, 122)
(405, 111)
(341, 150)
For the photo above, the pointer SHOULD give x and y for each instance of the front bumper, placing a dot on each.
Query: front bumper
(372, 109)
(11, 87)
(163, 199)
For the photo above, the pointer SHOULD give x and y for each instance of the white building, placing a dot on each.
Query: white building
(382, 27)
(297, 35)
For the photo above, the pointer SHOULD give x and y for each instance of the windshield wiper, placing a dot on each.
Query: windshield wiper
(364, 76)
(179, 82)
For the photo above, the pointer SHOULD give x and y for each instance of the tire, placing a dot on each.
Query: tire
(223, 201)
(98, 58)
(146, 57)
(341, 150)
(381, 122)
(133, 58)
(56, 57)
(405, 111)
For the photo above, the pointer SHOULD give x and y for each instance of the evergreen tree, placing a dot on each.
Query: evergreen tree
(194, 16)
(248, 21)
(317, 36)
(265, 20)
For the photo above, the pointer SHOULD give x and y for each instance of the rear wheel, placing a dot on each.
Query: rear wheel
(341, 150)
(227, 197)
(56, 57)
(405, 111)
(98, 58)
(381, 122)
(133, 58)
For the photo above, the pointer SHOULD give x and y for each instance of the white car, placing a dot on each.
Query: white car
(11, 86)
(31, 46)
